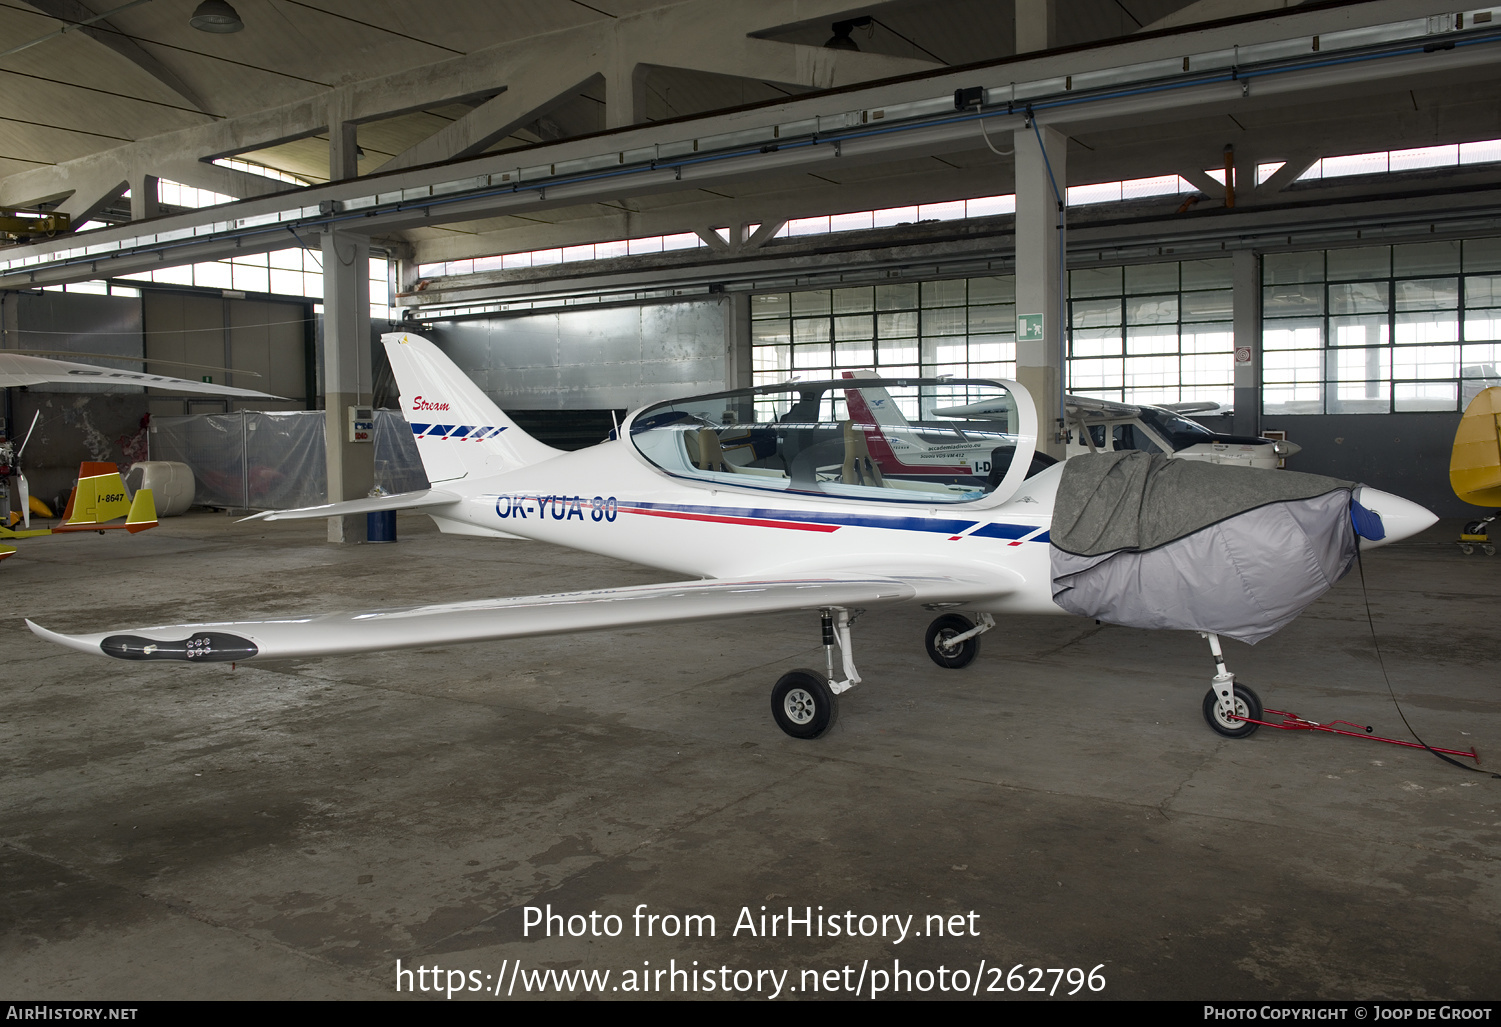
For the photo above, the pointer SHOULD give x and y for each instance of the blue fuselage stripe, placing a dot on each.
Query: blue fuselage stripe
(945, 526)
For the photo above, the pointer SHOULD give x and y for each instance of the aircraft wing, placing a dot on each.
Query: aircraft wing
(1110, 408)
(371, 504)
(490, 619)
(18, 369)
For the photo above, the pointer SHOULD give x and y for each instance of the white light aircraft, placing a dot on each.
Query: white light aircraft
(804, 518)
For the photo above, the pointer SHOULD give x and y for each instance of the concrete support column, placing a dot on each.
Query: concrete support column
(625, 92)
(346, 374)
(145, 196)
(1040, 288)
(343, 141)
(1246, 298)
(737, 341)
(1036, 25)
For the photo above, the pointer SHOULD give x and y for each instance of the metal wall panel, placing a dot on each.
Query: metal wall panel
(263, 336)
(82, 323)
(267, 337)
(184, 333)
(590, 359)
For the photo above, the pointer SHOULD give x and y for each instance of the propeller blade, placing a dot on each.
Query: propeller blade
(34, 419)
(25, 501)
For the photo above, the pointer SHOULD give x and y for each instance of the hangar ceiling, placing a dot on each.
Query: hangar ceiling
(75, 94)
(536, 79)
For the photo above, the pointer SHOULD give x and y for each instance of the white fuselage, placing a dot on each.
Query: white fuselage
(608, 500)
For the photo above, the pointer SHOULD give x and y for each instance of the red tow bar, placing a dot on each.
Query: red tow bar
(1293, 722)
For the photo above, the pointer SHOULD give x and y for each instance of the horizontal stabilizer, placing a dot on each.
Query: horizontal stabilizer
(371, 504)
(483, 620)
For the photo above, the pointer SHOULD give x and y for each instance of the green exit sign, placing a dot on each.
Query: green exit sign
(1028, 327)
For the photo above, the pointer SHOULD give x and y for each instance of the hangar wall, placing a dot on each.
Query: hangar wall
(91, 422)
(594, 358)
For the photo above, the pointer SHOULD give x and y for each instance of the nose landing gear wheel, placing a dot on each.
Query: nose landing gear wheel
(1247, 704)
(945, 653)
(802, 704)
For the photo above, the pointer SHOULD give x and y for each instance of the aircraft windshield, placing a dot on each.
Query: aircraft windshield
(1176, 428)
(907, 440)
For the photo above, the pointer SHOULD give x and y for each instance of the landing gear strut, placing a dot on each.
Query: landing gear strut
(805, 703)
(1229, 709)
(953, 642)
(1477, 533)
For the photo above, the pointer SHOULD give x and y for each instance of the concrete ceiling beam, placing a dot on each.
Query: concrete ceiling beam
(1202, 182)
(107, 35)
(541, 86)
(98, 184)
(1287, 174)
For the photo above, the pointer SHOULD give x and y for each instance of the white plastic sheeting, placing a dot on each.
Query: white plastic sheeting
(248, 460)
(398, 468)
(276, 461)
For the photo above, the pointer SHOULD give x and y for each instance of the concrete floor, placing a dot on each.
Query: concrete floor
(292, 831)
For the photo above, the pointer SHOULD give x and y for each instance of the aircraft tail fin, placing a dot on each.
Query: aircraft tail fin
(142, 512)
(460, 432)
(872, 405)
(98, 497)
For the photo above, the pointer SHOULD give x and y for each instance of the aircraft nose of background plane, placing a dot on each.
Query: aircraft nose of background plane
(1402, 518)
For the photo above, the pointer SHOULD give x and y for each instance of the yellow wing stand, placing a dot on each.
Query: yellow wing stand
(1475, 465)
(98, 498)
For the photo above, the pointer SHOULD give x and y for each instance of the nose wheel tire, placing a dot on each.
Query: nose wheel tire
(944, 652)
(803, 705)
(1247, 704)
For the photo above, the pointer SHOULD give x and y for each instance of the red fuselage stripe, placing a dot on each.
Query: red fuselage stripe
(717, 519)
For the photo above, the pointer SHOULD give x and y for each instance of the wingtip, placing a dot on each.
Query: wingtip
(83, 645)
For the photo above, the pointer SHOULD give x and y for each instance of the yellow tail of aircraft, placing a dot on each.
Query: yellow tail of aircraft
(98, 498)
(1475, 463)
(1475, 466)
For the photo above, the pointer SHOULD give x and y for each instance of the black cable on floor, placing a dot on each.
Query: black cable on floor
(1370, 620)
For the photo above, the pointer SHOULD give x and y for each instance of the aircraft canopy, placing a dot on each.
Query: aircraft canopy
(860, 438)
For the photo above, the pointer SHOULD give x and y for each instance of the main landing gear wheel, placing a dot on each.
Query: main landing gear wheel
(944, 652)
(1247, 704)
(803, 705)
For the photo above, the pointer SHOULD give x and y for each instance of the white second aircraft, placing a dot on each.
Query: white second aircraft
(772, 501)
(1094, 425)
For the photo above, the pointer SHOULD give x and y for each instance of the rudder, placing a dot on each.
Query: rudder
(98, 497)
(460, 432)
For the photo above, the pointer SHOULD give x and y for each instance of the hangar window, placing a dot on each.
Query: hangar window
(1153, 333)
(290, 272)
(1381, 329)
(961, 327)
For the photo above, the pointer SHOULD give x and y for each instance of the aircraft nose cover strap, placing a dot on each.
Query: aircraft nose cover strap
(1367, 523)
(199, 647)
(1148, 542)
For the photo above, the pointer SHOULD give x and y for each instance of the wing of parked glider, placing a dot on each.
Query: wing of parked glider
(17, 369)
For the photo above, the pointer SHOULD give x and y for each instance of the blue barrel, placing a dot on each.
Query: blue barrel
(380, 526)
